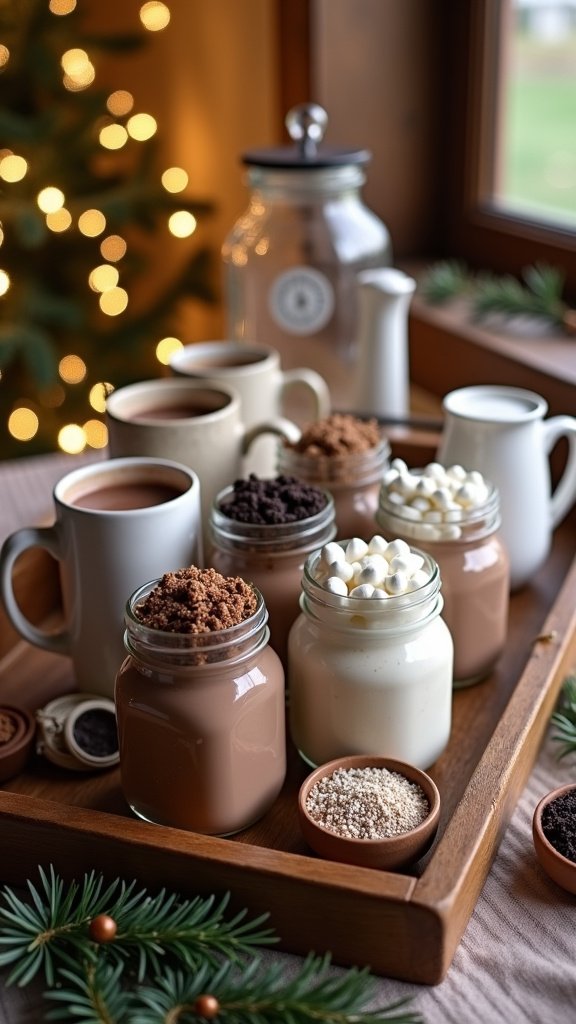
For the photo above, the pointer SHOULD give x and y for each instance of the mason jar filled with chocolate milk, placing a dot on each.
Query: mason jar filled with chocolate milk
(200, 704)
(291, 259)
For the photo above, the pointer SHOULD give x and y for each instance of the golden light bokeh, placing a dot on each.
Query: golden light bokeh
(113, 248)
(96, 433)
(1, 235)
(4, 282)
(91, 223)
(113, 136)
(62, 6)
(98, 395)
(50, 199)
(23, 424)
(74, 62)
(75, 83)
(72, 369)
(154, 15)
(103, 278)
(141, 127)
(120, 102)
(175, 179)
(4, 55)
(114, 301)
(13, 168)
(181, 224)
(60, 220)
(165, 348)
(239, 255)
(261, 246)
(72, 439)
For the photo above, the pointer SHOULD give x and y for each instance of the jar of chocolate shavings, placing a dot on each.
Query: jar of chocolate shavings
(264, 530)
(200, 704)
(348, 456)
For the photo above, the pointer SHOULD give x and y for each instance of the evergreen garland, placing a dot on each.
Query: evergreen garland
(539, 296)
(565, 718)
(114, 955)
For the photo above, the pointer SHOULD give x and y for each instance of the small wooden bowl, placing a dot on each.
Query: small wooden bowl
(386, 854)
(559, 868)
(15, 752)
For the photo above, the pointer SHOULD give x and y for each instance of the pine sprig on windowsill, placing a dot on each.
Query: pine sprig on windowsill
(114, 955)
(565, 719)
(538, 295)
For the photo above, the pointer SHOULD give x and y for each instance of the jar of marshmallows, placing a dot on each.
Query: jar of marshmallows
(454, 515)
(369, 657)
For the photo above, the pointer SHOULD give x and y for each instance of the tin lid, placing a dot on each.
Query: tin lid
(306, 125)
(61, 742)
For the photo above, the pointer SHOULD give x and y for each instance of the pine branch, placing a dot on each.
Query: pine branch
(565, 719)
(85, 936)
(444, 281)
(540, 297)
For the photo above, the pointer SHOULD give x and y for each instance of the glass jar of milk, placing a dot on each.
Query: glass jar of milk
(370, 676)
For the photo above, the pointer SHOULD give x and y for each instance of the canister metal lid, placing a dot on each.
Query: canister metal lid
(306, 125)
(60, 742)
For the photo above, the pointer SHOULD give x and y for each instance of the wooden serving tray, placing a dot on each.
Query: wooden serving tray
(405, 925)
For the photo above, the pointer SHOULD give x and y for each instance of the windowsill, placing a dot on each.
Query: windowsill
(448, 350)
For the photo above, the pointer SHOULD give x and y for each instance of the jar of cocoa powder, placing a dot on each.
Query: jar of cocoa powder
(200, 704)
(264, 530)
(454, 515)
(348, 456)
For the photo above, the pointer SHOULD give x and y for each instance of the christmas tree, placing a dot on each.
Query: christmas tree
(81, 196)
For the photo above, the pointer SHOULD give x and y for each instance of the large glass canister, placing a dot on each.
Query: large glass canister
(291, 259)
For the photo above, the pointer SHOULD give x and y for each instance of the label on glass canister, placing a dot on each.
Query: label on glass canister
(301, 300)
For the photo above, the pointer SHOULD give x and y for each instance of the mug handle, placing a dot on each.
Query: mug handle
(565, 493)
(314, 383)
(14, 545)
(277, 425)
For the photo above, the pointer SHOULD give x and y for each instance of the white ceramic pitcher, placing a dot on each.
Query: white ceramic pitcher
(501, 431)
(382, 378)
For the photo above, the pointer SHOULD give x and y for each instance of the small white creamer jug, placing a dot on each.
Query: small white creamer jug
(501, 431)
(382, 379)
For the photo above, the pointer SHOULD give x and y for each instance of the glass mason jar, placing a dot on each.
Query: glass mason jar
(201, 723)
(271, 557)
(370, 677)
(291, 259)
(353, 480)
(475, 577)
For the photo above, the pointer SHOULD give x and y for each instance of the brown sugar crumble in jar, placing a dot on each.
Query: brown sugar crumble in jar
(197, 601)
(337, 435)
(7, 727)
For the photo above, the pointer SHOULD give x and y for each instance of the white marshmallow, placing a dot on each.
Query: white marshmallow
(378, 594)
(377, 545)
(334, 585)
(400, 465)
(396, 583)
(365, 590)
(456, 472)
(356, 549)
(331, 552)
(396, 547)
(342, 569)
(373, 573)
(400, 563)
(420, 504)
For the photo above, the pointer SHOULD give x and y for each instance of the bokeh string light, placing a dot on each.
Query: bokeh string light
(119, 126)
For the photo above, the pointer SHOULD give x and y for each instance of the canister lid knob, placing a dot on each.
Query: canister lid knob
(306, 124)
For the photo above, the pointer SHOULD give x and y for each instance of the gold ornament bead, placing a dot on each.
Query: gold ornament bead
(206, 1006)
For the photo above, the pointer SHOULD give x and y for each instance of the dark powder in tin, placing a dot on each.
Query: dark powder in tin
(197, 601)
(95, 732)
(283, 499)
(559, 824)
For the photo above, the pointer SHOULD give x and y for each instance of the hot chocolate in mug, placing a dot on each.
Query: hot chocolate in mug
(255, 372)
(501, 431)
(118, 524)
(188, 421)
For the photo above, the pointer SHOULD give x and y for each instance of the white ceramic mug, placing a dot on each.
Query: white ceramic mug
(189, 421)
(501, 431)
(118, 524)
(255, 372)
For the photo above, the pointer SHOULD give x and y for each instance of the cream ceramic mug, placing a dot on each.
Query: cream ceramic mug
(255, 372)
(501, 431)
(118, 524)
(190, 421)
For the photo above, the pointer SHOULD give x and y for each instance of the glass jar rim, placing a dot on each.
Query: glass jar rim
(336, 470)
(483, 518)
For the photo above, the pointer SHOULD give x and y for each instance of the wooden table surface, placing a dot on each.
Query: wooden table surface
(515, 963)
